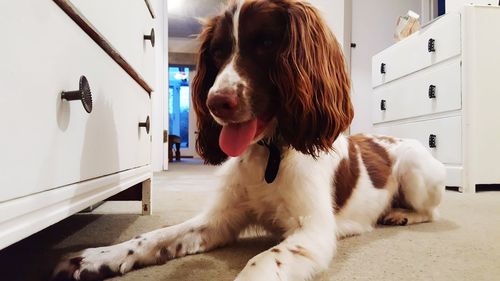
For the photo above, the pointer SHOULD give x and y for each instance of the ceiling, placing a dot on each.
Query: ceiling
(183, 14)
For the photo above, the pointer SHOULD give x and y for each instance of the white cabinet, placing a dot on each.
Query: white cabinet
(456, 5)
(442, 136)
(418, 51)
(445, 93)
(57, 158)
(124, 24)
(429, 91)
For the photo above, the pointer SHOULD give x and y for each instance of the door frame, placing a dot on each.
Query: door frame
(193, 127)
(159, 98)
(191, 151)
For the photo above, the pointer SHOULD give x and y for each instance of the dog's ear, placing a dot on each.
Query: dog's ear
(312, 81)
(207, 140)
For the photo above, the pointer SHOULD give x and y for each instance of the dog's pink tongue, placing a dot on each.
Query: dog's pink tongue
(235, 138)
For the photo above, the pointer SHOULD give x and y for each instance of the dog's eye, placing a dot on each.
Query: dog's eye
(267, 43)
(218, 54)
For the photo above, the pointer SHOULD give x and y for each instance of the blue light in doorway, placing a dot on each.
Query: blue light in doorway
(179, 97)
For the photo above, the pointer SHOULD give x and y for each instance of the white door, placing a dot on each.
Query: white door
(373, 25)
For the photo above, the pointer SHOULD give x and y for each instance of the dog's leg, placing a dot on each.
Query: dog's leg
(404, 217)
(421, 188)
(348, 228)
(302, 254)
(217, 227)
(417, 203)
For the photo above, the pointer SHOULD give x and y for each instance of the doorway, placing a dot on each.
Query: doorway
(183, 26)
(182, 121)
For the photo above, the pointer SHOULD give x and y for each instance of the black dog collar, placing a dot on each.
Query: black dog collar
(273, 162)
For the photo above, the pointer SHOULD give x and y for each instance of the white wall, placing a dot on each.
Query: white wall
(333, 13)
(373, 25)
(183, 45)
(429, 11)
(337, 14)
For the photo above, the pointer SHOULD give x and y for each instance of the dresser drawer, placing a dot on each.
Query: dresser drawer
(433, 90)
(124, 23)
(443, 137)
(48, 142)
(413, 53)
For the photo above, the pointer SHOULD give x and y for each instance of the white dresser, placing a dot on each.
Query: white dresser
(75, 80)
(442, 87)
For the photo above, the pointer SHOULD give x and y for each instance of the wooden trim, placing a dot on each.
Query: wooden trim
(150, 8)
(147, 198)
(93, 33)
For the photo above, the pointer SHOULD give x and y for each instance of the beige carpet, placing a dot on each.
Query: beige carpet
(463, 245)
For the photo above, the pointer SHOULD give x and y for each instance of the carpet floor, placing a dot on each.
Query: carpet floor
(463, 245)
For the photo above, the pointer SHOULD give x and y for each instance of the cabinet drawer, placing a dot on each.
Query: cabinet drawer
(48, 142)
(124, 23)
(447, 138)
(433, 90)
(413, 53)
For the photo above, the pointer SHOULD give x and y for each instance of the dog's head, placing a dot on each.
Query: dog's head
(269, 69)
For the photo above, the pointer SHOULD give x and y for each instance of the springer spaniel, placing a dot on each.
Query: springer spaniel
(272, 92)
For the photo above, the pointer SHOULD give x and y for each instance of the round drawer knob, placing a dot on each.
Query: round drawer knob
(431, 45)
(151, 37)
(432, 141)
(83, 94)
(145, 125)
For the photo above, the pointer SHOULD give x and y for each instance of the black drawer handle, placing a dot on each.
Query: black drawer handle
(145, 125)
(83, 94)
(431, 45)
(432, 91)
(382, 68)
(151, 37)
(383, 105)
(432, 141)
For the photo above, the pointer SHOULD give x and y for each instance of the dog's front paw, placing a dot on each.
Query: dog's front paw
(394, 218)
(100, 263)
(262, 267)
(95, 264)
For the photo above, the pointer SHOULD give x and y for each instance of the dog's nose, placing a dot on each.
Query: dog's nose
(223, 103)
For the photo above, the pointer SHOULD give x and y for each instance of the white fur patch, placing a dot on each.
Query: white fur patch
(236, 22)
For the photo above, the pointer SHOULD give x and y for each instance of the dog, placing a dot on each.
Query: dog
(271, 95)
